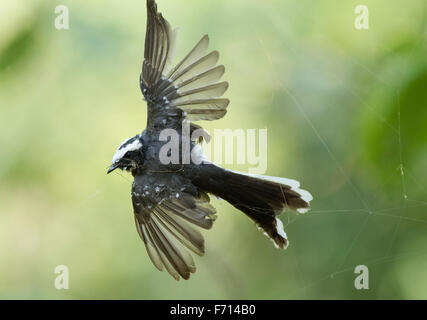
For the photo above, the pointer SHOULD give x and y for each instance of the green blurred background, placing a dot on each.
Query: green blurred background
(346, 115)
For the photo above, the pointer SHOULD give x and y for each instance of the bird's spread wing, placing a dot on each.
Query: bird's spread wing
(167, 209)
(190, 90)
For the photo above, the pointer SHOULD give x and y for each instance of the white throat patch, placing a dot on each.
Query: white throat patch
(130, 144)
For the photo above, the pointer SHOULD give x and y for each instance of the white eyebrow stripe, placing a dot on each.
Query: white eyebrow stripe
(135, 145)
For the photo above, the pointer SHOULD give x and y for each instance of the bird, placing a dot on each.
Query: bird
(171, 201)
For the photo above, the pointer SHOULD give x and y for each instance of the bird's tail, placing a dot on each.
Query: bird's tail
(261, 198)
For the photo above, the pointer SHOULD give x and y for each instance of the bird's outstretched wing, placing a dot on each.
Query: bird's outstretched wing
(167, 209)
(190, 90)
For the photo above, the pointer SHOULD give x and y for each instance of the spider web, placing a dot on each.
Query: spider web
(366, 209)
(386, 213)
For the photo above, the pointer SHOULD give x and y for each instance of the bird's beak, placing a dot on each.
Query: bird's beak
(113, 167)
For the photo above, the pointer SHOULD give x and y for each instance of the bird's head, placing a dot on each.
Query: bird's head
(128, 155)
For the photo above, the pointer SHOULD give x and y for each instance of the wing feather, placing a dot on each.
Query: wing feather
(195, 77)
(203, 79)
(149, 244)
(180, 259)
(207, 92)
(188, 236)
(166, 220)
(195, 54)
(162, 251)
(201, 65)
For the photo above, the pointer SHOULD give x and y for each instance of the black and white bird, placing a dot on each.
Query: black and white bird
(171, 201)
